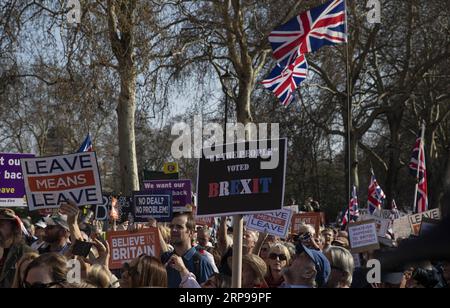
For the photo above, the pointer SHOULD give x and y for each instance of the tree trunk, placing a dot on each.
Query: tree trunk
(127, 142)
(243, 113)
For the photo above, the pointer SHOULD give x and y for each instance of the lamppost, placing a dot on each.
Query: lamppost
(227, 78)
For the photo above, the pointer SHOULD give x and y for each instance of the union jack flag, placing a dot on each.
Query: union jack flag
(376, 195)
(307, 32)
(354, 210)
(284, 81)
(87, 145)
(419, 162)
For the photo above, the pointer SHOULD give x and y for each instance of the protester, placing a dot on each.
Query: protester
(13, 245)
(279, 257)
(309, 268)
(254, 269)
(56, 236)
(342, 267)
(39, 232)
(47, 271)
(21, 266)
(182, 229)
(264, 251)
(328, 236)
(144, 272)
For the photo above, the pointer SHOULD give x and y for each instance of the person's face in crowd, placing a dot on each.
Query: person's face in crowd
(264, 252)
(302, 269)
(277, 260)
(40, 277)
(6, 232)
(306, 239)
(40, 233)
(179, 233)
(202, 237)
(249, 240)
(248, 277)
(328, 237)
(53, 234)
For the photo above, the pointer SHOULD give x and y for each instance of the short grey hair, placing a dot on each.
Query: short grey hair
(342, 259)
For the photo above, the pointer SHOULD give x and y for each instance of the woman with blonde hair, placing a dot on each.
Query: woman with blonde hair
(21, 266)
(144, 272)
(279, 258)
(342, 267)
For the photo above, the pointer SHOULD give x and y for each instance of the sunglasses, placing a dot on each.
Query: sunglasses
(274, 256)
(40, 285)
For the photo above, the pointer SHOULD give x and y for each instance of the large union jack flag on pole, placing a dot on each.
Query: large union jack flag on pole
(353, 207)
(307, 32)
(376, 195)
(284, 81)
(418, 168)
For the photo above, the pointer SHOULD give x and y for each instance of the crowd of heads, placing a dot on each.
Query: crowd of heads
(36, 253)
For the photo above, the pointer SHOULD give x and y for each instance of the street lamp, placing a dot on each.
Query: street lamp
(227, 79)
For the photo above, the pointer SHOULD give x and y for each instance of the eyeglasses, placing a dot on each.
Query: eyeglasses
(274, 256)
(40, 285)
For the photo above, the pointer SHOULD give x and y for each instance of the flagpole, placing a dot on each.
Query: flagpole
(349, 113)
(422, 136)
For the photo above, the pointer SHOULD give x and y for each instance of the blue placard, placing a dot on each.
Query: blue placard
(152, 205)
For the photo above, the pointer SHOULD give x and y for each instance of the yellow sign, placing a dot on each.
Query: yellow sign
(170, 168)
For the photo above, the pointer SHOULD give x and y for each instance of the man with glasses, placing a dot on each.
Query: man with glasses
(12, 244)
(182, 230)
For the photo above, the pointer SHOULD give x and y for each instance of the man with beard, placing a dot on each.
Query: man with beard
(12, 244)
(56, 235)
(182, 230)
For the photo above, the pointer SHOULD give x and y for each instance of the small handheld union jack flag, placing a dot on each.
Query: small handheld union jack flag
(87, 145)
(307, 32)
(354, 210)
(284, 82)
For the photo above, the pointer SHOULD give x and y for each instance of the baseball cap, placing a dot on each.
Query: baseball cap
(321, 263)
(41, 224)
(57, 220)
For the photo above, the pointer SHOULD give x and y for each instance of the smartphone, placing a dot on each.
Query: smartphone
(81, 248)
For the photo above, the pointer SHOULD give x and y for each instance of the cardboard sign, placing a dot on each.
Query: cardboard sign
(12, 188)
(381, 224)
(427, 224)
(384, 214)
(293, 208)
(126, 246)
(49, 181)
(311, 218)
(416, 219)
(237, 182)
(363, 236)
(275, 223)
(401, 227)
(152, 205)
(181, 192)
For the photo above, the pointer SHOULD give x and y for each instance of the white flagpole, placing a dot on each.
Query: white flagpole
(422, 136)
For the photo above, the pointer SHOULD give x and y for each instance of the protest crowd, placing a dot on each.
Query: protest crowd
(36, 254)
(59, 229)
